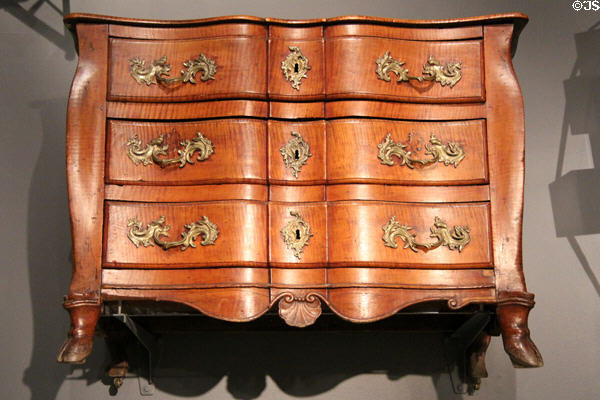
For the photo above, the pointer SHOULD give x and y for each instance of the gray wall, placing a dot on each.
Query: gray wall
(558, 67)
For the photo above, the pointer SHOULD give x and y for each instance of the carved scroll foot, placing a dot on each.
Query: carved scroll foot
(299, 310)
(476, 358)
(84, 316)
(513, 311)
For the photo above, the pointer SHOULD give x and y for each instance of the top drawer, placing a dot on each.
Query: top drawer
(185, 70)
(404, 70)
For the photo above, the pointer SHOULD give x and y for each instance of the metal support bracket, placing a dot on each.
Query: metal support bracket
(455, 352)
(148, 342)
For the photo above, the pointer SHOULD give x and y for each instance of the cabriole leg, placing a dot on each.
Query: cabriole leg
(512, 312)
(84, 316)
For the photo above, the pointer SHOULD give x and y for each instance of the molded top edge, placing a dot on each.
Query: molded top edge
(516, 18)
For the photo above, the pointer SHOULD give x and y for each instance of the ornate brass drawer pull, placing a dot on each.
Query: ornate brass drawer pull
(150, 153)
(450, 154)
(159, 71)
(456, 239)
(296, 233)
(295, 153)
(157, 229)
(295, 66)
(433, 70)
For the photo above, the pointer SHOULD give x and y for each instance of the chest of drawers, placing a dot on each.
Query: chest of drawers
(239, 164)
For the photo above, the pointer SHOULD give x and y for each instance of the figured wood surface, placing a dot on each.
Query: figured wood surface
(85, 160)
(229, 304)
(395, 32)
(313, 171)
(352, 152)
(287, 110)
(410, 278)
(196, 32)
(312, 86)
(184, 278)
(167, 111)
(235, 76)
(395, 110)
(368, 305)
(294, 194)
(170, 194)
(239, 147)
(236, 221)
(355, 231)
(409, 194)
(301, 278)
(358, 79)
(506, 128)
(314, 254)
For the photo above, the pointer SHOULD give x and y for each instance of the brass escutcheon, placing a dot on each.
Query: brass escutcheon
(295, 153)
(296, 233)
(294, 67)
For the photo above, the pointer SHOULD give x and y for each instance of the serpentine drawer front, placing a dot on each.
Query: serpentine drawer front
(238, 164)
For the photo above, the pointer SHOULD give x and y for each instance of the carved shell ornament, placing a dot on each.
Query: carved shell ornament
(433, 70)
(299, 310)
(150, 153)
(158, 71)
(456, 239)
(157, 229)
(449, 154)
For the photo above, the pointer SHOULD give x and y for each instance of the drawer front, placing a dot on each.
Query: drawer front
(217, 151)
(380, 151)
(296, 63)
(297, 234)
(297, 152)
(240, 63)
(146, 235)
(409, 235)
(357, 67)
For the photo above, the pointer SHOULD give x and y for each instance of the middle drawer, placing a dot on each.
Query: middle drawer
(214, 151)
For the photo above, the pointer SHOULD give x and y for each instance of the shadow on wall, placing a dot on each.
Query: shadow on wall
(575, 196)
(61, 40)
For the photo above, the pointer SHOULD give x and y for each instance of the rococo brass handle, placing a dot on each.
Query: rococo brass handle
(150, 153)
(456, 239)
(157, 229)
(158, 72)
(450, 154)
(433, 70)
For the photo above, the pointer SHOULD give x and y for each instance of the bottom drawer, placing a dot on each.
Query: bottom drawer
(175, 235)
(409, 235)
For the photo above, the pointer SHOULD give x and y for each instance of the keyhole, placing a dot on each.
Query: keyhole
(296, 67)
(296, 154)
(297, 234)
